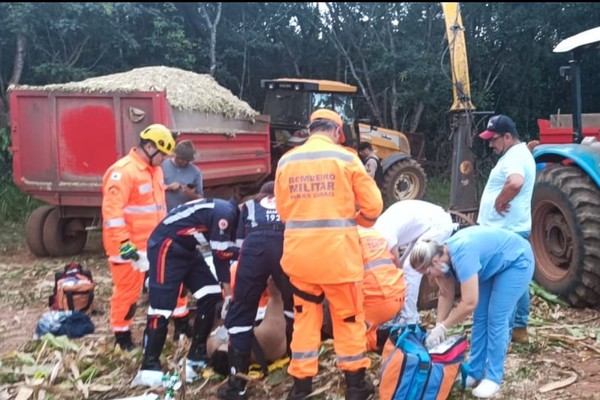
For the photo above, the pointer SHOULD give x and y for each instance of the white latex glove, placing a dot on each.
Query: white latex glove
(225, 308)
(142, 264)
(436, 335)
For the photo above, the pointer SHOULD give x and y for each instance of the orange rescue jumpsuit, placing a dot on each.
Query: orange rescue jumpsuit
(319, 187)
(383, 285)
(133, 204)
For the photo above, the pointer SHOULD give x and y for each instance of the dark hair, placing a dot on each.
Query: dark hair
(266, 190)
(219, 361)
(364, 146)
(322, 125)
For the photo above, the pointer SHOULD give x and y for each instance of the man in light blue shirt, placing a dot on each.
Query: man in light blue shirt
(506, 199)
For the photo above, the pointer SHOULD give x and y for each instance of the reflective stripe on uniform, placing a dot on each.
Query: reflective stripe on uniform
(251, 212)
(239, 329)
(151, 208)
(321, 223)
(186, 212)
(357, 357)
(297, 355)
(115, 223)
(217, 245)
(180, 310)
(317, 155)
(206, 290)
(377, 263)
(157, 311)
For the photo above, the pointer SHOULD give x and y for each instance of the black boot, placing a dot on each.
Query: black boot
(123, 340)
(154, 341)
(357, 387)
(236, 386)
(383, 333)
(182, 327)
(301, 390)
(202, 326)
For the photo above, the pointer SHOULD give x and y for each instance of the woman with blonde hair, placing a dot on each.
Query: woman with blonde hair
(494, 267)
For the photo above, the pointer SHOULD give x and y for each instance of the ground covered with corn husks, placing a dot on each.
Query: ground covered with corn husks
(561, 361)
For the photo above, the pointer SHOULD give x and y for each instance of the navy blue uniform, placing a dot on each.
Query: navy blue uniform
(260, 235)
(175, 259)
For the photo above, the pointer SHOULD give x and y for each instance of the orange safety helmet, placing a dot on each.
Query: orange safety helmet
(161, 136)
(324, 113)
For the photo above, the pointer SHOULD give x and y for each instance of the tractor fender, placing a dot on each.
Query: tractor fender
(583, 156)
(391, 160)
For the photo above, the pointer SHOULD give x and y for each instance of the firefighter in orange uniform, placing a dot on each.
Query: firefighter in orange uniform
(383, 288)
(383, 285)
(133, 204)
(323, 192)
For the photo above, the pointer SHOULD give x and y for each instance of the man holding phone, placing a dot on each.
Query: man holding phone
(183, 180)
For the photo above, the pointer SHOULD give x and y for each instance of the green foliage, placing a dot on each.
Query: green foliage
(438, 191)
(15, 205)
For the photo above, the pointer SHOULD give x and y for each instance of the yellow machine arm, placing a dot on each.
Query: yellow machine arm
(459, 65)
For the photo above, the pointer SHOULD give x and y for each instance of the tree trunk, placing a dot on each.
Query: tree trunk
(19, 60)
(212, 25)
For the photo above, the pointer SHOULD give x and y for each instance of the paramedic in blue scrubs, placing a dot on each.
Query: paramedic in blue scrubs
(494, 267)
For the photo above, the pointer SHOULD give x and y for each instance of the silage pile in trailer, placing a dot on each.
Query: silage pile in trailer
(186, 90)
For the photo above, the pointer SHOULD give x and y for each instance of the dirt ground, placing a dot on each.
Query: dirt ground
(562, 360)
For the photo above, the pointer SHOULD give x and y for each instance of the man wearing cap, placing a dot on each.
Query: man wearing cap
(183, 180)
(506, 199)
(322, 193)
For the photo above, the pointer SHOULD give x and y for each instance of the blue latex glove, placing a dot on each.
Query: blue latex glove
(128, 251)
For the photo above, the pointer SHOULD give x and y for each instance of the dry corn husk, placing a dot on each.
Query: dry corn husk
(186, 90)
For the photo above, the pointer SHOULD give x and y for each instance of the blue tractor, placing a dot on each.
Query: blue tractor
(566, 202)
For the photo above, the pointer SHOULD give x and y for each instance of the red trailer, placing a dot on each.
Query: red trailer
(62, 142)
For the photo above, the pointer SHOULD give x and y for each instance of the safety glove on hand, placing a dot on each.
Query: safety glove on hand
(225, 308)
(128, 251)
(436, 335)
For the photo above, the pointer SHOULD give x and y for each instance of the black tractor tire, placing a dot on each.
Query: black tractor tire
(565, 234)
(63, 237)
(404, 180)
(34, 228)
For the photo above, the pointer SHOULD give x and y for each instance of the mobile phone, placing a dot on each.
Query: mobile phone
(191, 185)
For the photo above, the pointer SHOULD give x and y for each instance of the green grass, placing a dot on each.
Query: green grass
(15, 205)
(438, 191)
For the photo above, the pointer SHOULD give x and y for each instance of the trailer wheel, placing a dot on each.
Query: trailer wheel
(63, 236)
(404, 180)
(564, 235)
(34, 228)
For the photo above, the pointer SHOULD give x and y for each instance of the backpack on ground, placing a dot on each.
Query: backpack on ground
(73, 289)
(410, 372)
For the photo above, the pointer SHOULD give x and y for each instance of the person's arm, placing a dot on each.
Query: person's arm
(368, 197)
(447, 291)
(190, 192)
(115, 195)
(371, 166)
(469, 291)
(511, 188)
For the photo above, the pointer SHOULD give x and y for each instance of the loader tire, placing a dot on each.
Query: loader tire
(63, 236)
(34, 228)
(404, 180)
(564, 235)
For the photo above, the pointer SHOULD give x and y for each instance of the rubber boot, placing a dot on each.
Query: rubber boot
(182, 327)
(236, 387)
(154, 341)
(123, 340)
(383, 333)
(301, 390)
(357, 387)
(519, 335)
(202, 327)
